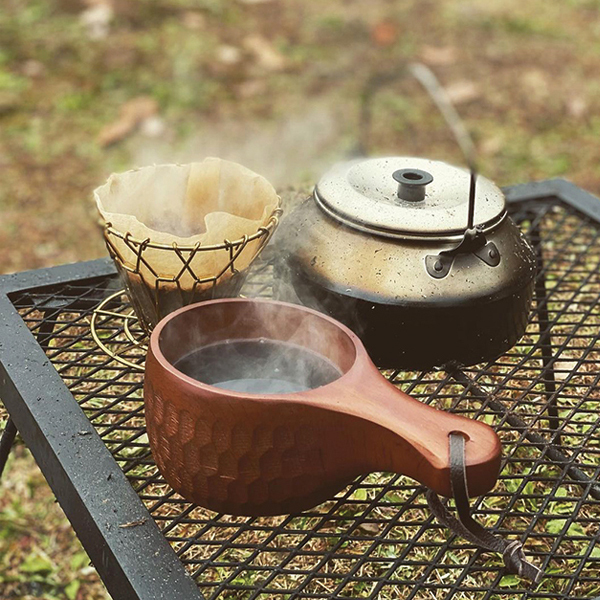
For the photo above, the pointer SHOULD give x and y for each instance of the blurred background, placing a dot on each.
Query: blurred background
(88, 87)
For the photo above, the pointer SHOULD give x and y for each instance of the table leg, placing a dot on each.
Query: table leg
(10, 431)
(6, 442)
(541, 298)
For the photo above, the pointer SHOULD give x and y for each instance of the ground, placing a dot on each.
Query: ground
(91, 87)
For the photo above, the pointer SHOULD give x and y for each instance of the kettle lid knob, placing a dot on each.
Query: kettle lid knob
(412, 183)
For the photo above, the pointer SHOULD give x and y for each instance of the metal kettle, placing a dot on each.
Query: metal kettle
(423, 265)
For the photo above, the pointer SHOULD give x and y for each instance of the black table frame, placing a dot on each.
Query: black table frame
(134, 562)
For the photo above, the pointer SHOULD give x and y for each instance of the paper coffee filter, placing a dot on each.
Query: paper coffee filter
(206, 202)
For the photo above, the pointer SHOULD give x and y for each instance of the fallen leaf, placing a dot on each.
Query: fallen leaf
(153, 127)
(96, 20)
(139, 108)
(132, 524)
(9, 101)
(536, 84)
(131, 114)
(369, 528)
(563, 369)
(385, 33)
(252, 88)
(193, 20)
(265, 53)
(228, 55)
(33, 68)
(491, 146)
(115, 132)
(463, 91)
(439, 56)
(577, 106)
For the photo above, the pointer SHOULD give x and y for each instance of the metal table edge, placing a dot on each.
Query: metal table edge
(567, 192)
(133, 558)
(38, 278)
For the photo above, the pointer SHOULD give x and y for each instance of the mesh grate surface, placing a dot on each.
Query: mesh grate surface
(377, 539)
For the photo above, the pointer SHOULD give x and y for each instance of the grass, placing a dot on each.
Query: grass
(39, 553)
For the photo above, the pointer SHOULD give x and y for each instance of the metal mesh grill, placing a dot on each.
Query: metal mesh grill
(377, 539)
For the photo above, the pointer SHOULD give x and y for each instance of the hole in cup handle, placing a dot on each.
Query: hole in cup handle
(466, 436)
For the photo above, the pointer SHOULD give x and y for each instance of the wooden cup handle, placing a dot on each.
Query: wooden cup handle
(409, 437)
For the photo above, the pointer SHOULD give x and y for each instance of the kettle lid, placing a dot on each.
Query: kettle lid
(406, 197)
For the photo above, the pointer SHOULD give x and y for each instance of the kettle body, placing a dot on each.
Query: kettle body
(417, 298)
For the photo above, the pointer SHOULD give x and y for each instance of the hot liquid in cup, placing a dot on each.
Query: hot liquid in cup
(260, 366)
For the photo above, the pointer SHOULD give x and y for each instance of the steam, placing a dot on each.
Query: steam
(298, 275)
(259, 366)
(294, 147)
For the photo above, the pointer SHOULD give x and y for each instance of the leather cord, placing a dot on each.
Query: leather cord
(466, 527)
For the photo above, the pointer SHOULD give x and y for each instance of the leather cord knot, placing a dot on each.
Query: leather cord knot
(512, 552)
(515, 562)
(513, 557)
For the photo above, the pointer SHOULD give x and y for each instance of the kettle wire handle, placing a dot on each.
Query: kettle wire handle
(438, 94)
(426, 77)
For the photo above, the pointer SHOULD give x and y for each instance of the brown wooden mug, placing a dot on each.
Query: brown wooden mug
(265, 454)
